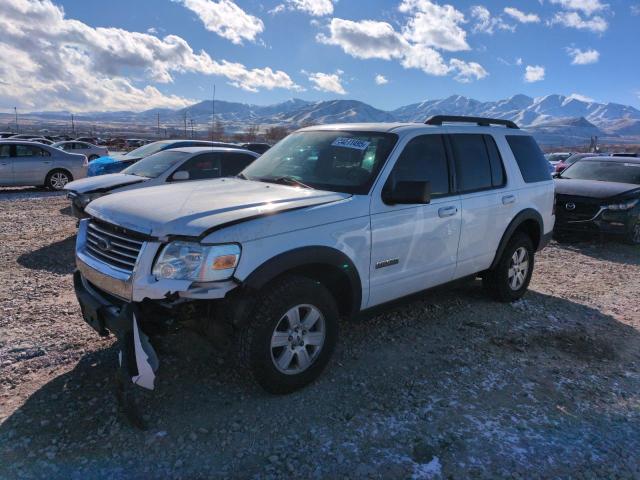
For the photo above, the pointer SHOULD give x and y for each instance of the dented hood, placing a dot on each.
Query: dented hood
(103, 183)
(194, 208)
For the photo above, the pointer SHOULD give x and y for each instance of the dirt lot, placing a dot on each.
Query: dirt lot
(446, 385)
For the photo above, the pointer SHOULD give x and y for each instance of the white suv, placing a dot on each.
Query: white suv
(329, 222)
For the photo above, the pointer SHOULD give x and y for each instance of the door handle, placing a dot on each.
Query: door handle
(508, 199)
(47, 163)
(447, 212)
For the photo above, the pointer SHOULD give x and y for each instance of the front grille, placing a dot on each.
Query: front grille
(113, 246)
(584, 209)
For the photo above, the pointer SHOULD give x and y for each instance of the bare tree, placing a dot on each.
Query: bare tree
(276, 133)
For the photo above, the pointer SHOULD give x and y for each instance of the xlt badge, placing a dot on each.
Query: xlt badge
(387, 263)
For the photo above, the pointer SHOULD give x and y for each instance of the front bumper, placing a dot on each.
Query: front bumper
(606, 222)
(101, 313)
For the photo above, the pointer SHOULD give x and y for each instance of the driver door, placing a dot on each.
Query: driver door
(6, 165)
(414, 247)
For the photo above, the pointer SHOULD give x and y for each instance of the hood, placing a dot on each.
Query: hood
(113, 158)
(103, 183)
(193, 208)
(593, 188)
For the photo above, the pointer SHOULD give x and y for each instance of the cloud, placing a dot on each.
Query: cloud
(381, 80)
(414, 47)
(328, 82)
(595, 24)
(534, 74)
(433, 25)
(580, 57)
(51, 62)
(588, 7)
(316, 8)
(485, 23)
(521, 16)
(467, 71)
(226, 19)
(365, 39)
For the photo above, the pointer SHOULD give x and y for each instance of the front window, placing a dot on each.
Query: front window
(155, 165)
(341, 161)
(147, 150)
(604, 171)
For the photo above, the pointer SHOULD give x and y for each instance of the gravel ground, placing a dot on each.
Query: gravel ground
(448, 384)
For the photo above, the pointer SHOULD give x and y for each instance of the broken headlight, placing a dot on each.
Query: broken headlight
(84, 199)
(200, 263)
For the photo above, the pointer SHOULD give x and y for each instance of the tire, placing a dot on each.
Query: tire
(272, 349)
(92, 158)
(57, 179)
(505, 284)
(633, 237)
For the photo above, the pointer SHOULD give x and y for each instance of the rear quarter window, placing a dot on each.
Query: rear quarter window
(533, 166)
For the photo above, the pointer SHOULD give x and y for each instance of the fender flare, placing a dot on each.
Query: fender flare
(308, 256)
(519, 219)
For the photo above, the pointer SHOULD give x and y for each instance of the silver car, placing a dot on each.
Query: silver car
(166, 166)
(85, 148)
(24, 163)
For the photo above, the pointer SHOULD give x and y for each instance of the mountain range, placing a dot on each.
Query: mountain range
(553, 119)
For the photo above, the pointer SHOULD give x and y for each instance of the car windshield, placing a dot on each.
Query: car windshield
(155, 165)
(604, 171)
(147, 150)
(341, 161)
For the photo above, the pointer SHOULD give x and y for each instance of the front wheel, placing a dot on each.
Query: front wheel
(291, 334)
(633, 237)
(57, 179)
(509, 279)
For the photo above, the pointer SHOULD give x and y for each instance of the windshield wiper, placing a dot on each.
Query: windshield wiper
(286, 180)
(242, 176)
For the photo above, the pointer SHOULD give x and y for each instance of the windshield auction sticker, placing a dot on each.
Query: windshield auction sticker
(350, 143)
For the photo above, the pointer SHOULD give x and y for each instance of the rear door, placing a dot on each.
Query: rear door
(31, 164)
(6, 165)
(481, 182)
(415, 247)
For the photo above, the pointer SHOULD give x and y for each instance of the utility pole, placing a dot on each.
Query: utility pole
(192, 135)
(158, 124)
(73, 125)
(213, 114)
(15, 110)
(185, 124)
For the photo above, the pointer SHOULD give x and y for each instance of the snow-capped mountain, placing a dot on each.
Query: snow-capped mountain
(551, 118)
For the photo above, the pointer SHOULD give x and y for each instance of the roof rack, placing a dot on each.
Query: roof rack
(481, 121)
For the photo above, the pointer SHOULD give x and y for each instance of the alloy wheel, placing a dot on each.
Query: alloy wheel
(518, 268)
(59, 180)
(298, 339)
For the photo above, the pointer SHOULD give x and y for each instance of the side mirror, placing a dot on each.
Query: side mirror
(556, 175)
(407, 192)
(180, 176)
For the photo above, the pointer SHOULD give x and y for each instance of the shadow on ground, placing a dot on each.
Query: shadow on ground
(57, 257)
(603, 248)
(397, 377)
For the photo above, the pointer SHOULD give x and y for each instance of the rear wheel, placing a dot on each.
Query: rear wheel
(510, 278)
(57, 179)
(291, 334)
(92, 157)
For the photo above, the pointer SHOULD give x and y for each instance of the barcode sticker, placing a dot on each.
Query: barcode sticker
(350, 143)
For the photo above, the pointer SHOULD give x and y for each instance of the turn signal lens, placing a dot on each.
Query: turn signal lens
(225, 262)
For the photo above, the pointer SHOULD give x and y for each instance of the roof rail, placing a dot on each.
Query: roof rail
(481, 121)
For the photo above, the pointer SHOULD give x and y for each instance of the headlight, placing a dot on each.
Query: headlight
(84, 199)
(624, 205)
(199, 263)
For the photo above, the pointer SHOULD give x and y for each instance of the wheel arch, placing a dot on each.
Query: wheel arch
(528, 221)
(329, 266)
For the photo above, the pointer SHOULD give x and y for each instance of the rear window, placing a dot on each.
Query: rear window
(478, 162)
(533, 166)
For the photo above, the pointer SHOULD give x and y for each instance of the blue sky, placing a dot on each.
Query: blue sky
(315, 50)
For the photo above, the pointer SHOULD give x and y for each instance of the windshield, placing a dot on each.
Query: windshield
(147, 150)
(339, 161)
(155, 165)
(604, 171)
